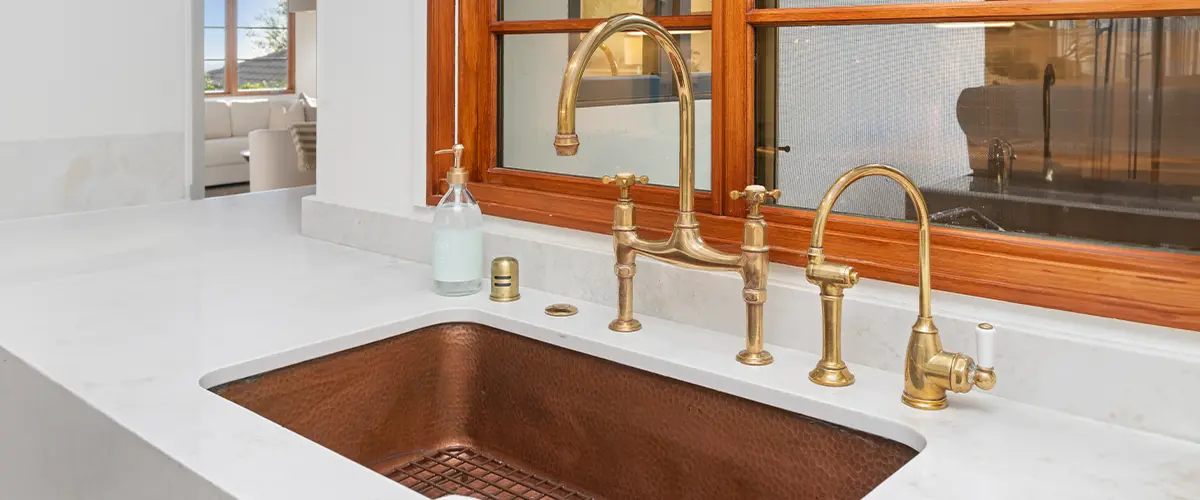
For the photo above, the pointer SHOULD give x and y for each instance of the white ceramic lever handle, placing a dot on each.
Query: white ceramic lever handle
(985, 345)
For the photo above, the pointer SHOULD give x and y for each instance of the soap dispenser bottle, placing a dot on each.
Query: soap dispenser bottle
(457, 235)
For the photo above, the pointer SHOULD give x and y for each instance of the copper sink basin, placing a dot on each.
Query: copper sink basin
(466, 409)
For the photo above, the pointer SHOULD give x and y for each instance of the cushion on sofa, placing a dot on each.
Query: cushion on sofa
(217, 124)
(249, 115)
(225, 151)
(304, 136)
(284, 115)
(310, 107)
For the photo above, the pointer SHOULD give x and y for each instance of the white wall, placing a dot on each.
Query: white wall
(94, 105)
(372, 124)
(306, 52)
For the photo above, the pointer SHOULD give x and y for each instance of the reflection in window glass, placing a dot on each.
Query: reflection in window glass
(630, 68)
(628, 122)
(540, 10)
(1082, 129)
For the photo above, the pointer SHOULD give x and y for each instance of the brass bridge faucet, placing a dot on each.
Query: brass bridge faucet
(684, 247)
(929, 371)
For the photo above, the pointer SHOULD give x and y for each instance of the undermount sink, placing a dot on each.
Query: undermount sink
(465, 409)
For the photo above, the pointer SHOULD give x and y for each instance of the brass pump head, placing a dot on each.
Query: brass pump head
(456, 175)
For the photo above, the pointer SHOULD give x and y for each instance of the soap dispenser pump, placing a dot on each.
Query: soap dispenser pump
(457, 235)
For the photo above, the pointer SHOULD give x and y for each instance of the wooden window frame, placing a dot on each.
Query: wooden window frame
(231, 57)
(1146, 286)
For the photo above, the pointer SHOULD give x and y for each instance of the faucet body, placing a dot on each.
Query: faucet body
(684, 247)
(1000, 162)
(929, 371)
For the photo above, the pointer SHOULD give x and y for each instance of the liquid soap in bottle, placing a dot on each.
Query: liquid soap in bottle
(457, 235)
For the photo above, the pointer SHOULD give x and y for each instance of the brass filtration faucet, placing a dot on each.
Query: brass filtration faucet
(684, 247)
(929, 371)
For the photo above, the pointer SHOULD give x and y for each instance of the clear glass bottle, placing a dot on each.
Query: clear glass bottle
(457, 236)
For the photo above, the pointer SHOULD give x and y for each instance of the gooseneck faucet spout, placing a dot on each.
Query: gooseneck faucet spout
(566, 143)
(826, 208)
(929, 371)
(684, 247)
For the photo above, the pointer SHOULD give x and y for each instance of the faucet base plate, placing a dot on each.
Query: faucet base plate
(760, 358)
(924, 404)
(625, 325)
(831, 377)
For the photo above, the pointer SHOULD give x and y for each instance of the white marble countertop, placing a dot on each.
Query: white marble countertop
(137, 311)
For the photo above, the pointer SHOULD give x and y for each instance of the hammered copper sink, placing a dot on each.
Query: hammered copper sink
(470, 410)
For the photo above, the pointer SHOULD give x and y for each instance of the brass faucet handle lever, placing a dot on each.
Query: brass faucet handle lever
(985, 349)
(755, 196)
(624, 181)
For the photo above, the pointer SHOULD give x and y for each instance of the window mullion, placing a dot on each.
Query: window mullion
(231, 49)
(291, 58)
(733, 104)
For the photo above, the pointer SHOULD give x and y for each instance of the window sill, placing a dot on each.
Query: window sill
(249, 93)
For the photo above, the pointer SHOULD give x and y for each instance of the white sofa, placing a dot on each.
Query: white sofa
(228, 128)
(275, 163)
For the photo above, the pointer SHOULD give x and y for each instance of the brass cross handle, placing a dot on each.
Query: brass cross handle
(625, 180)
(755, 196)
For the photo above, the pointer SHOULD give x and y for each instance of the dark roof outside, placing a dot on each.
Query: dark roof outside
(272, 67)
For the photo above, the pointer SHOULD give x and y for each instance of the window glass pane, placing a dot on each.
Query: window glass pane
(262, 13)
(214, 43)
(529, 10)
(263, 73)
(797, 4)
(628, 110)
(262, 28)
(214, 76)
(1081, 129)
(262, 42)
(214, 13)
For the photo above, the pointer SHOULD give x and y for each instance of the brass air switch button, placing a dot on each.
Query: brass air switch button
(506, 280)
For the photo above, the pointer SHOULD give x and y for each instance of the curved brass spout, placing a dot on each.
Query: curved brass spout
(929, 371)
(835, 191)
(566, 143)
(684, 247)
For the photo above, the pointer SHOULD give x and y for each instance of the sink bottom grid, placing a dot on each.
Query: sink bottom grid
(461, 470)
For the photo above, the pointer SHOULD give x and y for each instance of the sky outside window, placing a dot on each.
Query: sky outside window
(250, 13)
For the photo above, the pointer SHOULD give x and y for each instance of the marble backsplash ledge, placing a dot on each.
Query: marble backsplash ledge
(1054, 359)
(78, 174)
